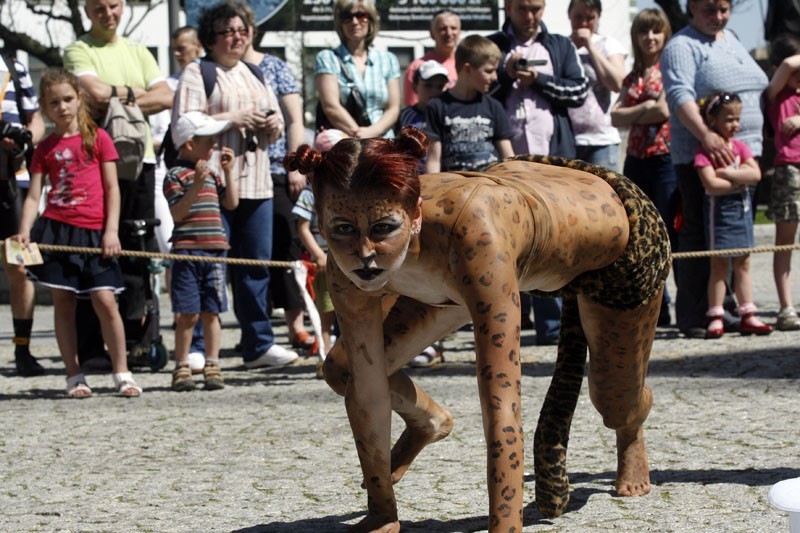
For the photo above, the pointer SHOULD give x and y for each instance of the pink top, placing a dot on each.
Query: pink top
(645, 140)
(77, 196)
(787, 104)
(409, 95)
(741, 153)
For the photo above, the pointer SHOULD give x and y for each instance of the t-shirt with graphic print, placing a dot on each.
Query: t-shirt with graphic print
(468, 131)
(77, 196)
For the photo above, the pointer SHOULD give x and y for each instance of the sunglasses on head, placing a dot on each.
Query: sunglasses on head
(347, 16)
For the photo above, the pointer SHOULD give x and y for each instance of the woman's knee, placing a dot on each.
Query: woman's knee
(335, 370)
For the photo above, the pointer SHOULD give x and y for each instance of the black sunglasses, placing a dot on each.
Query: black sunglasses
(347, 16)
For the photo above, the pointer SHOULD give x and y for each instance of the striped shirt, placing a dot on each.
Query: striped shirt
(8, 104)
(382, 66)
(236, 88)
(201, 228)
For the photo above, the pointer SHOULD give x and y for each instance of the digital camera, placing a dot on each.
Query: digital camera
(21, 136)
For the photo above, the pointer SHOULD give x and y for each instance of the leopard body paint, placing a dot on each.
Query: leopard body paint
(536, 224)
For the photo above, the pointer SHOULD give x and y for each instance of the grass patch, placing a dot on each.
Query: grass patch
(761, 216)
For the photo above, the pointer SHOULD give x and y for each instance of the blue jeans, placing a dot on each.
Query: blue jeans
(546, 318)
(250, 234)
(605, 156)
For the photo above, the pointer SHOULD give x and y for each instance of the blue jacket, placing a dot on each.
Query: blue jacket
(567, 88)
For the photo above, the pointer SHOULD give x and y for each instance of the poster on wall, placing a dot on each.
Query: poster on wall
(317, 15)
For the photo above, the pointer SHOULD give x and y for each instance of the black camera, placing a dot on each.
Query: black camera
(526, 64)
(21, 136)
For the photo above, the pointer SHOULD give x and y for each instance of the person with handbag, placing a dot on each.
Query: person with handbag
(358, 85)
(241, 95)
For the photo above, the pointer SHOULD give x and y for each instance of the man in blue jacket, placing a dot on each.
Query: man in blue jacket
(540, 77)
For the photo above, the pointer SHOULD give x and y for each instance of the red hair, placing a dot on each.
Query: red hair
(365, 165)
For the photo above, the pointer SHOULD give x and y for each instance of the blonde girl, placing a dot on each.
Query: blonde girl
(82, 209)
(726, 210)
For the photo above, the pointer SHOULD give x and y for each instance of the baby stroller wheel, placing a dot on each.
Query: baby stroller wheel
(158, 356)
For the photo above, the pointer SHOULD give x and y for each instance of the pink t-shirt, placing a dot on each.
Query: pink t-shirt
(77, 196)
(741, 153)
(786, 105)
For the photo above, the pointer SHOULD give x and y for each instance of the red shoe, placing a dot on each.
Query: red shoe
(303, 340)
(715, 332)
(746, 327)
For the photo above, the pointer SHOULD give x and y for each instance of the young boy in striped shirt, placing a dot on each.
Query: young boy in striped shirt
(198, 291)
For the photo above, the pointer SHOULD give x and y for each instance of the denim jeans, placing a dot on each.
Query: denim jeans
(546, 318)
(250, 235)
(605, 156)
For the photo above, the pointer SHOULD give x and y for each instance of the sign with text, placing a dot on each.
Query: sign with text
(317, 15)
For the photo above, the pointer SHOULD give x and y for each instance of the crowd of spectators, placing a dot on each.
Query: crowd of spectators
(524, 90)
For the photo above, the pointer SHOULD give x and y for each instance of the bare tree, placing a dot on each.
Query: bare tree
(58, 18)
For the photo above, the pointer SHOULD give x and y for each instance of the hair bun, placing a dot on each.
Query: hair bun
(304, 160)
(412, 141)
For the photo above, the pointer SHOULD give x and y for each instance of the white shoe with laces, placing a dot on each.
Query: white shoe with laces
(274, 357)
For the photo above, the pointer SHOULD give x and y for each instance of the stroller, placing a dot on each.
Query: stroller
(149, 351)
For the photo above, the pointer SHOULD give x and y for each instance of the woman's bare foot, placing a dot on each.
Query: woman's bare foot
(633, 472)
(415, 437)
(375, 524)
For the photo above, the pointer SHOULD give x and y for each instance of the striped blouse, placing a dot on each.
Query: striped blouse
(236, 88)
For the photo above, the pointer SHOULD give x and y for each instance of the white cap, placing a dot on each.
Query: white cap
(196, 124)
(431, 68)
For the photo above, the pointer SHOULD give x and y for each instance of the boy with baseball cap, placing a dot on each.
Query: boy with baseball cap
(430, 80)
(198, 290)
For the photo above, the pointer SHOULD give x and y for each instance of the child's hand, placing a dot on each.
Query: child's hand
(110, 244)
(22, 238)
(226, 159)
(791, 126)
(201, 172)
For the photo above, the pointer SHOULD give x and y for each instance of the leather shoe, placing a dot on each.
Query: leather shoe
(27, 365)
(746, 327)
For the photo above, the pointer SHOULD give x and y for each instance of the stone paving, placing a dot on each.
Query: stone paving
(272, 452)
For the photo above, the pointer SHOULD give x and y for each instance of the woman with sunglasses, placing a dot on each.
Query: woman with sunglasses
(243, 98)
(702, 59)
(355, 66)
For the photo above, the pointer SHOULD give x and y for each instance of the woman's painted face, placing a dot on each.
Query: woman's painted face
(651, 42)
(368, 235)
(710, 17)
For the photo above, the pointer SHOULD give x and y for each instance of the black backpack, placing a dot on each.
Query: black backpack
(208, 71)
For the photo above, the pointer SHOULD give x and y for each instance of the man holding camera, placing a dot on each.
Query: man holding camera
(540, 77)
(21, 127)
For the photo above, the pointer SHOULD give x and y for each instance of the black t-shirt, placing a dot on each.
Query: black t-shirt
(467, 130)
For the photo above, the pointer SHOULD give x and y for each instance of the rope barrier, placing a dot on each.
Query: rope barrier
(288, 264)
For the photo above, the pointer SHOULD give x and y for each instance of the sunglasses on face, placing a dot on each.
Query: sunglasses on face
(230, 32)
(360, 16)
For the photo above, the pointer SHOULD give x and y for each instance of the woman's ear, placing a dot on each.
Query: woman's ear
(416, 223)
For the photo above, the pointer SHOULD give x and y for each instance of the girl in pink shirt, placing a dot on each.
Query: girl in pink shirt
(82, 209)
(783, 105)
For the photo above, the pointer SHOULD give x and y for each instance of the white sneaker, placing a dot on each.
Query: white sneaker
(275, 356)
(197, 360)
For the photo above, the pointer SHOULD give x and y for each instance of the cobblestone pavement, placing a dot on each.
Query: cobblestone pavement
(273, 452)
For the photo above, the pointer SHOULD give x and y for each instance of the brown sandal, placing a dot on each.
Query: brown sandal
(182, 379)
(213, 377)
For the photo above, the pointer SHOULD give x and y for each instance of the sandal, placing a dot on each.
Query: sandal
(126, 386)
(182, 379)
(213, 377)
(432, 355)
(77, 387)
(303, 340)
